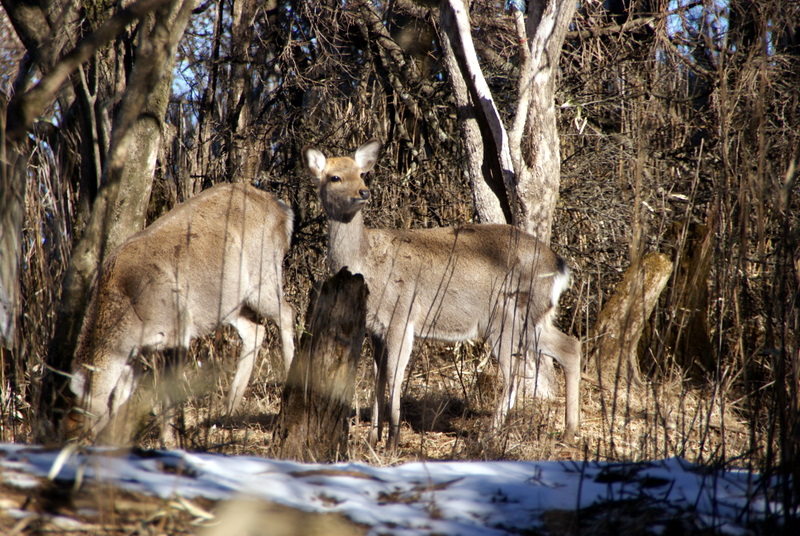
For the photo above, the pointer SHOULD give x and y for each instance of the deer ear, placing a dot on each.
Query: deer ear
(367, 154)
(315, 161)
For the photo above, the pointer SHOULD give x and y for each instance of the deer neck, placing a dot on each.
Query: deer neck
(346, 243)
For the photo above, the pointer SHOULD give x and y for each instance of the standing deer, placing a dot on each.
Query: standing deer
(215, 260)
(493, 282)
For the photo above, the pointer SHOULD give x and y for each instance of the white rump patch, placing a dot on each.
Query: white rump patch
(561, 282)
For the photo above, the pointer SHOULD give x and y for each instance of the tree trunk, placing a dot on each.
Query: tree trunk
(120, 208)
(317, 400)
(534, 141)
(244, 147)
(689, 335)
(12, 214)
(521, 165)
(488, 165)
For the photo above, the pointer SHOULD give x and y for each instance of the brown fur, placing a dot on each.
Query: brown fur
(490, 282)
(216, 259)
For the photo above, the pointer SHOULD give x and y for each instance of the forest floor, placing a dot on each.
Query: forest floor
(133, 491)
(448, 399)
(446, 407)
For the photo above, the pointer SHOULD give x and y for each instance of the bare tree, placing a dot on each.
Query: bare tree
(32, 24)
(119, 149)
(514, 171)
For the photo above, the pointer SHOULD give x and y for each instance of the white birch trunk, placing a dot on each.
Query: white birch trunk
(527, 156)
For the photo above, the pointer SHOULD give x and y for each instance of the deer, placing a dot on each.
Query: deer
(472, 281)
(214, 260)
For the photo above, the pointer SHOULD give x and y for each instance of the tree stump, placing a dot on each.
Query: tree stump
(689, 335)
(621, 322)
(317, 400)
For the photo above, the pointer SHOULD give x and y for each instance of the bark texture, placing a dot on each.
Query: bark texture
(621, 322)
(313, 423)
(12, 213)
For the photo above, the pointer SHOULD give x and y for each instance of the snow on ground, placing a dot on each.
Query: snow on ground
(454, 498)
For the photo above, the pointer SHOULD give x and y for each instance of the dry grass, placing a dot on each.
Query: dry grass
(447, 405)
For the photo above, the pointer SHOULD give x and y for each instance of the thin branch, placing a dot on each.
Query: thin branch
(25, 108)
(403, 74)
(630, 26)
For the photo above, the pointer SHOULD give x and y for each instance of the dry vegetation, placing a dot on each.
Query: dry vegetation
(667, 143)
(106, 510)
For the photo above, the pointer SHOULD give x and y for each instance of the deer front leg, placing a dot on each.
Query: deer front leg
(567, 351)
(100, 391)
(379, 398)
(286, 326)
(398, 354)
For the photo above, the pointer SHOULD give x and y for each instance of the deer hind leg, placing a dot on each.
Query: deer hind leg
(567, 351)
(252, 335)
(537, 374)
(271, 304)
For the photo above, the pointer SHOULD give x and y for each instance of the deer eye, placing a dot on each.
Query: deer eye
(335, 178)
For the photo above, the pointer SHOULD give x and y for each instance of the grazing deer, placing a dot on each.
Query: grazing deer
(493, 282)
(215, 260)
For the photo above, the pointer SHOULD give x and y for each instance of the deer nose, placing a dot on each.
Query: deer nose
(364, 193)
